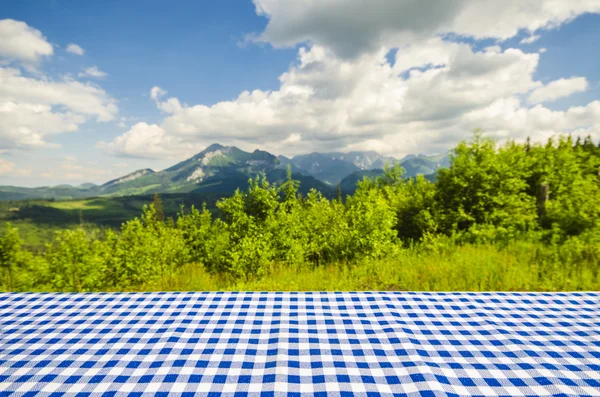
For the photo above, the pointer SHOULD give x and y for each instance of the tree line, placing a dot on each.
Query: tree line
(547, 193)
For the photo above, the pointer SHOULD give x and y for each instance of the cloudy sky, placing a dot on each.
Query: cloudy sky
(94, 90)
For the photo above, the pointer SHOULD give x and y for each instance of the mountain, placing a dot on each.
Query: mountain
(413, 164)
(284, 162)
(368, 160)
(348, 184)
(126, 182)
(324, 166)
(61, 192)
(332, 167)
(220, 170)
(307, 182)
(425, 165)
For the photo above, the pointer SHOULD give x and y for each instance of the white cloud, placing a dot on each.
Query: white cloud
(19, 41)
(70, 163)
(157, 92)
(558, 89)
(69, 169)
(148, 141)
(435, 94)
(434, 52)
(531, 39)
(23, 172)
(506, 118)
(79, 97)
(543, 50)
(93, 71)
(493, 49)
(123, 121)
(32, 109)
(75, 49)
(8, 168)
(34, 106)
(467, 81)
(25, 125)
(344, 94)
(171, 105)
(352, 28)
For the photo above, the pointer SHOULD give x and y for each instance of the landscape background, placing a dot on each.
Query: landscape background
(299, 144)
(513, 217)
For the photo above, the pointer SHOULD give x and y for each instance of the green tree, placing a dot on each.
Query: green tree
(290, 187)
(325, 230)
(207, 240)
(570, 172)
(246, 216)
(10, 252)
(286, 225)
(159, 211)
(75, 262)
(485, 186)
(416, 210)
(371, 219)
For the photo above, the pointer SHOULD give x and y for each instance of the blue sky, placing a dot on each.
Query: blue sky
(315, 81)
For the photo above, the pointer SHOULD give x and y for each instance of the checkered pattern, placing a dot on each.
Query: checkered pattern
(320, 343)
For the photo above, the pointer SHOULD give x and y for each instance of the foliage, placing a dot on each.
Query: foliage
(485, 186)
(573, 177)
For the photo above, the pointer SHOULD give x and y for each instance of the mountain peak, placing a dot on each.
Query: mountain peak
(128, 177)
(213, 147)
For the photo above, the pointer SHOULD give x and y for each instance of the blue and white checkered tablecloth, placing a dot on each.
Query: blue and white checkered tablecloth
(328, 343)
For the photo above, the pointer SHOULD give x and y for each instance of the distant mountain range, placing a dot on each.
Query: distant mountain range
(222, 169)
(331, 168)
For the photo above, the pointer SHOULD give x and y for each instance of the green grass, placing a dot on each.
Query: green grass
(136, 190)
(518, 267)
(77, 205)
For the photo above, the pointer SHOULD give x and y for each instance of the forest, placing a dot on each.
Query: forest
(510, 217)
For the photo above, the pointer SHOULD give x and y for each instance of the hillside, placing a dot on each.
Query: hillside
(348, 184)
(62, 192)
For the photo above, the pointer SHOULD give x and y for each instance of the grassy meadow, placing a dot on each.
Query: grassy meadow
(518, 267)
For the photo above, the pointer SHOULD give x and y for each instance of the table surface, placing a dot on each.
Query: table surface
(305, 343)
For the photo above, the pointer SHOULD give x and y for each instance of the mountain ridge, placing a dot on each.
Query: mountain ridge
(222, 169)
